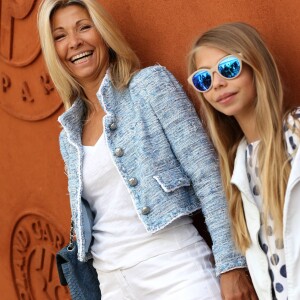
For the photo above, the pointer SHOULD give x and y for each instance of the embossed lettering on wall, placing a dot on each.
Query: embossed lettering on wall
(34, 243)
(26, 90)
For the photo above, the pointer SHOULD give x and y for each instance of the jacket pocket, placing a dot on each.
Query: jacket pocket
(173, 179)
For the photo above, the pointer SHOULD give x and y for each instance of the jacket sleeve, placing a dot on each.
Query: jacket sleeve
(190, 144)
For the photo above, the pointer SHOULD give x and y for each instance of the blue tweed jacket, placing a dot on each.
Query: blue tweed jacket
(163, 154)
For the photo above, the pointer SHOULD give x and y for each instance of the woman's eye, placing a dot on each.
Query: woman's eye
(58, 37)
(85, 27)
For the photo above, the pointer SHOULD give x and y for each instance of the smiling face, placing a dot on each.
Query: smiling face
(235, 97)
(79, 45)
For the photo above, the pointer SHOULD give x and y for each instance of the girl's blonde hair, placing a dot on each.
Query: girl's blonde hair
(123, 61)
(243, 40)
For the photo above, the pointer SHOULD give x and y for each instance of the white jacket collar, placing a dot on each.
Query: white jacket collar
(239, 175)
(295, 172)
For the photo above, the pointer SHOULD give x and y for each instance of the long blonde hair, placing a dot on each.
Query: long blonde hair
(123, 61)
(225, 132)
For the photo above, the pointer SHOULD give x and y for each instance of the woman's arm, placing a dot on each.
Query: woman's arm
(196, 155)
(190, 144)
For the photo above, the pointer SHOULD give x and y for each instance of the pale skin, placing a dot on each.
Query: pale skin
(235, 98)
(74, 34)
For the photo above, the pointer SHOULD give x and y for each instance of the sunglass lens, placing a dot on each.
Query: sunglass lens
(202, 81)
(229, 67)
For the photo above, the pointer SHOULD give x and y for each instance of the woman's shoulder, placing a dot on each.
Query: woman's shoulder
(151, 72)
(153, 76)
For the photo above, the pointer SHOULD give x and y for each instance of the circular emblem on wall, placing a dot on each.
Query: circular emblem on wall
(26, 90)
(34, 243)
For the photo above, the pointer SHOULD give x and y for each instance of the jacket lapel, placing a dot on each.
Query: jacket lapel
(239, 175)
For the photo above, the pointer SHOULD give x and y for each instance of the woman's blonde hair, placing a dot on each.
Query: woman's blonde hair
(243, 40)
(123, 61)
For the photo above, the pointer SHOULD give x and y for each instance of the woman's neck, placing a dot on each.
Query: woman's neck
(91, 93)
(91, 86)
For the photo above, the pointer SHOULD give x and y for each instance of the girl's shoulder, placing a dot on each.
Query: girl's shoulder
(292, 121)
(294, 114)
(292, 131)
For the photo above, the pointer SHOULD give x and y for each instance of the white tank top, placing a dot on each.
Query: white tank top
(120, 238)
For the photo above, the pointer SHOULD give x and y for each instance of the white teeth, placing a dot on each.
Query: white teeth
(78, 61)
(81, 55)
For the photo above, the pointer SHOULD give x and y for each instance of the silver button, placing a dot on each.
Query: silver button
(146, 210)
(113, 126)
(119, 152)
(133, 181)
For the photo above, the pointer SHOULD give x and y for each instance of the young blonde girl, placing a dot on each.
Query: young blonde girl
(242, 106)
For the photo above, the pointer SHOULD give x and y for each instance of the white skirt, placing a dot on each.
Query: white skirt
(185, 274)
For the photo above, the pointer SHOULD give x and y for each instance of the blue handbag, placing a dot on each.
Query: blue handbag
(81, 277)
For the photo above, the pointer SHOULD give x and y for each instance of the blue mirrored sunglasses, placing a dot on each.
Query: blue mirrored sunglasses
(229, 67)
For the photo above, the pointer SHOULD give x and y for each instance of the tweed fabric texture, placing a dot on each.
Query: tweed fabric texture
(165, 148)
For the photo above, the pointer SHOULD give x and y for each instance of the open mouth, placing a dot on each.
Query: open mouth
(81, 57)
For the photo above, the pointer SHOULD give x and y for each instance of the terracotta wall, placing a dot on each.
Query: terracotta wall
(34, 212)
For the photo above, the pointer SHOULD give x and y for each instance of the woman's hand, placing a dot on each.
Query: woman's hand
(237, 285)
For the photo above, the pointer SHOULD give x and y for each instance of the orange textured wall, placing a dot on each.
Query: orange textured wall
(34, 212)
(162, 31)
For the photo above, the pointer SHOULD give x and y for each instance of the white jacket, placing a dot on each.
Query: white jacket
(256, 258)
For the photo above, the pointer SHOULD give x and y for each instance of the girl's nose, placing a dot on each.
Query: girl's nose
(218, 80)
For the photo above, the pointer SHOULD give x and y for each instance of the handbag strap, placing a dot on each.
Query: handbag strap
(72, 236)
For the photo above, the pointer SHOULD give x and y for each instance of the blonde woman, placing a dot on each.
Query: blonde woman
(138, 164)
(238, 84)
